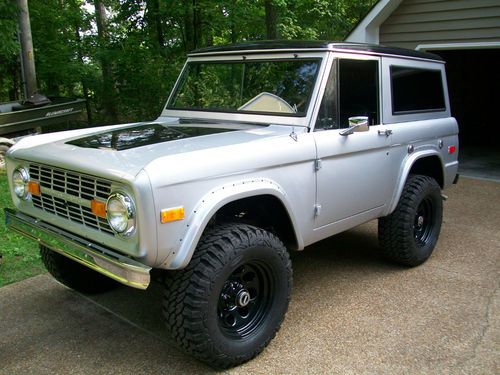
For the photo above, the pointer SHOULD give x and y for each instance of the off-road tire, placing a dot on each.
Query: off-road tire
(202, 307)
(408, 235)
(74, 275)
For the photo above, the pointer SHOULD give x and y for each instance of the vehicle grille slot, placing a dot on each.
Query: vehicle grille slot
(69, 194)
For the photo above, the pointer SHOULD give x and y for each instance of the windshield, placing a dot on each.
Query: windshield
(278, 87)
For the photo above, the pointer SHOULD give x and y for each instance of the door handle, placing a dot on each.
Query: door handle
(386, 132)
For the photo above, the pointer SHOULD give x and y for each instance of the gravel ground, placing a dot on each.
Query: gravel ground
(351, 312)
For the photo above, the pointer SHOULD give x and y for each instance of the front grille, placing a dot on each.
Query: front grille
(68, 195)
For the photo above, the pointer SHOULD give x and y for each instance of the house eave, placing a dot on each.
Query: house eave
(367, 30)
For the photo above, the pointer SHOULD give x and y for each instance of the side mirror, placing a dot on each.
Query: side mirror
(356, 124)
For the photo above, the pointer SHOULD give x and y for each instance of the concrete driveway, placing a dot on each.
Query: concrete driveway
(351, 312)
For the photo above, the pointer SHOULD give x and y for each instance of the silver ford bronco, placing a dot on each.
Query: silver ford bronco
(262, 148)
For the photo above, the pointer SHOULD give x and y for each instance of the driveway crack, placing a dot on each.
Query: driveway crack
(486, 326)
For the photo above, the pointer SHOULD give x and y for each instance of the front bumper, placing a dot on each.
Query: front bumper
(97, 257)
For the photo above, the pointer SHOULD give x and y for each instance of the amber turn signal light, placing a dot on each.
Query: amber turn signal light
(98, 208)
(172, 214)
(34, 188)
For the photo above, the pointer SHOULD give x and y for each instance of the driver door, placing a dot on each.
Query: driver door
(354, 174)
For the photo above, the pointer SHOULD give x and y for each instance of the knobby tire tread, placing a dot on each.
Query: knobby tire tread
(395, 232)
(182, 308)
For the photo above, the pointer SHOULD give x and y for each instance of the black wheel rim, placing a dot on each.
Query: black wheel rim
(424, 221)
(245, 300)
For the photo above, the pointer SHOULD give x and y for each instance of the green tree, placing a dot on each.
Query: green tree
(9, 50)
(124, 57)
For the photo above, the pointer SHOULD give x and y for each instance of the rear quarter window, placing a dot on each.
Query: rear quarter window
(416, 90)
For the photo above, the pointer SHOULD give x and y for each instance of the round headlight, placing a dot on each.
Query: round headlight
(20, 179)
(120, 211)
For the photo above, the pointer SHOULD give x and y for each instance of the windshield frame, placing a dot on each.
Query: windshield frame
(251, 116)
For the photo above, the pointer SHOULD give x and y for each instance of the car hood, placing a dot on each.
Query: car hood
(122, 151)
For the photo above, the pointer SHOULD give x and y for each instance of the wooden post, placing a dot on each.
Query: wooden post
(28, 55)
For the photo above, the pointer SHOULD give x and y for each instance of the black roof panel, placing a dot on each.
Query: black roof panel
(314, 45)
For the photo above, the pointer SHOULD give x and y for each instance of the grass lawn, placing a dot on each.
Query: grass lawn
(20, 258)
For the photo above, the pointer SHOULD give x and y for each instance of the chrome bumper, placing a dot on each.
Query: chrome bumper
(116, 266)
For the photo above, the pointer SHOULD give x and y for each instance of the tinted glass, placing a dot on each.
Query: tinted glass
(328, 110)
(352, 90)
(416, 90)
(277, 87)
(358, 90)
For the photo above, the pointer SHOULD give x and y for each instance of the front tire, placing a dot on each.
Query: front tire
(230, 301)
(408, 235)
(73, 274)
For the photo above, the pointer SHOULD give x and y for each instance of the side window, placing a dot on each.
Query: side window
(352, 90)
(358, 91)
(416, 90)
(328, 113)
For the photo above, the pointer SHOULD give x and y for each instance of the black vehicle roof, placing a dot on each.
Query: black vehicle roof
(259, 46)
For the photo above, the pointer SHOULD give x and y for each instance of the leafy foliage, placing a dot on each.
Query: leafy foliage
(125, 59)
(9, 49)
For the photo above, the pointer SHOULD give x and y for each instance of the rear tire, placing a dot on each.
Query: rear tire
(229, 302)
(408, 235)
(74, 275)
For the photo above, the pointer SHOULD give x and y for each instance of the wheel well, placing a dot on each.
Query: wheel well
(429, 166)
(264, 211)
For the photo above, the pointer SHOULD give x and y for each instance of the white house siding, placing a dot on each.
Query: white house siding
(417, 22)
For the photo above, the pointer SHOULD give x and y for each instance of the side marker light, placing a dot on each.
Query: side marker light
(171, 214)
(452, 149)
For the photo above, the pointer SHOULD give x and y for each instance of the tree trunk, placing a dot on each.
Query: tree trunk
(234, 36)
(271, 19)
(153, 17)
(188, 27)
(197, 31)
(85, 89)
(107, 79)
(28, 56)
(192, 25)
(159, 25)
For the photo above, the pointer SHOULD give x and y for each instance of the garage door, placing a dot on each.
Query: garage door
(474, 87)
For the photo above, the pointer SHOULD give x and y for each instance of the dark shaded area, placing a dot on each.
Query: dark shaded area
(472, 79)
(143, 135)
(480, 162)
